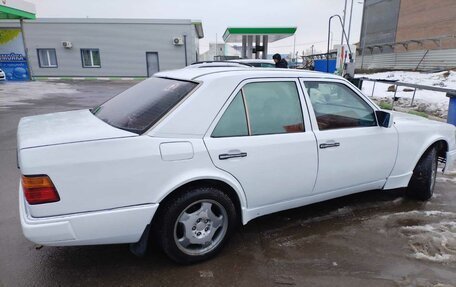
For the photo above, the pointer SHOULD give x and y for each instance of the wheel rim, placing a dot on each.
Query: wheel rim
(200, 227)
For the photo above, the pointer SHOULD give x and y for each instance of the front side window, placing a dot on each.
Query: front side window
(47, 58)
(90, 58)
(337, 106)
(144, 104)
(262, 108)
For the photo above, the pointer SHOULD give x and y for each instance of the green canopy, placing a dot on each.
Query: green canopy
(16, 9)
(234, 34)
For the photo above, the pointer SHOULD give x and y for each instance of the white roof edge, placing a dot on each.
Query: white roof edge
(112, 21)
(200, 73)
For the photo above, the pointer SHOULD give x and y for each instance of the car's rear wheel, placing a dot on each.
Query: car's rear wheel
(195, 225)
(422, 183)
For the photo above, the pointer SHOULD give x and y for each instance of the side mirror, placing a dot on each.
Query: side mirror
(385, 119)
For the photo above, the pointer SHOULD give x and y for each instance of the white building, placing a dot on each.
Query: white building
(219, 49)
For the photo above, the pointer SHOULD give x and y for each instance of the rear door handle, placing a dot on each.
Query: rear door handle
(224, 156)
(327, 145)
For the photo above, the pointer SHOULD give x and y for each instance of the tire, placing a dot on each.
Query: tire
(421, 185)
(194, 226)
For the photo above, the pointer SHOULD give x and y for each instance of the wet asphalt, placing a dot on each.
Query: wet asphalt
(374, 238)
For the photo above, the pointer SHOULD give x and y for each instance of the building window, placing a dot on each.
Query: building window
(90, 58)
(47, 58)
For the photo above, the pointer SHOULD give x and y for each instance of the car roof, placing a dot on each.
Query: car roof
(268, 61)
(199, 74)
(215, 64)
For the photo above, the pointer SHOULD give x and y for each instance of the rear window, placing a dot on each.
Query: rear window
(144, 104)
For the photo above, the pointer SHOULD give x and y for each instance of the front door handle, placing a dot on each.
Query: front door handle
(224, 156)
(327, 145)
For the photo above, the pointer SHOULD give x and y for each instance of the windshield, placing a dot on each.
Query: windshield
(144, 104)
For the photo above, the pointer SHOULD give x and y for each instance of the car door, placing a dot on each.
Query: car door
(262, 137)
(355, 153)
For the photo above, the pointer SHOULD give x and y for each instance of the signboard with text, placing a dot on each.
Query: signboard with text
(12, 55)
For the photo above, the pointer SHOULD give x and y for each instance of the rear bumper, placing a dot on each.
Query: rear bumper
(450, 166)
(119, 225)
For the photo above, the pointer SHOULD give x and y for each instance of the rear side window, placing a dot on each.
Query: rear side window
(262, 108)
(233, 122)
(273, 107)
(144, 104)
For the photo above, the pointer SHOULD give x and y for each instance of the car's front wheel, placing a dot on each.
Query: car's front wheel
(421, 185)
(195, 225)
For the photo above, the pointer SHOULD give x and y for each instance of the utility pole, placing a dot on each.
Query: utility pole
(294, 47)
(216, 46)
(363, 44)
(350, 22)
(343, 24)
(332, 36)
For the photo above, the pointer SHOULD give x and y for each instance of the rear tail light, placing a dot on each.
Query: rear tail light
(39, 189)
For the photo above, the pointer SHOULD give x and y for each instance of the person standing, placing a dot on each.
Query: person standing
(279, 62)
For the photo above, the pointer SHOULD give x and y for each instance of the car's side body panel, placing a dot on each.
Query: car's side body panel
(276, 167)
(416, 135)
(99, 175)
(116, 179)
(350, 164)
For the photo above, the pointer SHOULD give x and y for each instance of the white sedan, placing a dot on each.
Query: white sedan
(187, 155)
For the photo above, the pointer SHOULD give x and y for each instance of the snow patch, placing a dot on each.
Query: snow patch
(419, 212)
(446, 179)
(434, 242)
(431, 102)
(431, 234)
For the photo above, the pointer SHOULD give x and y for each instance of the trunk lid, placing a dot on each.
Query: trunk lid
(64, 127)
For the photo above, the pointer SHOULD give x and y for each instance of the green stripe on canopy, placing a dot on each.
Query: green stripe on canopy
(12, 13)
(234, 34)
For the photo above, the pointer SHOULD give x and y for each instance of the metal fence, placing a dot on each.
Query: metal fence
(450, 93)
(422, 60)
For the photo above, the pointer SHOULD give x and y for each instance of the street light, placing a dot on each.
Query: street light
(329, 35)
(350, 21)
(363, 44)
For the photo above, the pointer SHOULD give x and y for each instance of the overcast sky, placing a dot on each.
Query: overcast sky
(310, 16)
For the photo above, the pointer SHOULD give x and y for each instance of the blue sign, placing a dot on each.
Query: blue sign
(12, 55)
(321, 65)
(15, 67)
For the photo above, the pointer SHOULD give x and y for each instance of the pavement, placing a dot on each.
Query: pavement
(374, 238)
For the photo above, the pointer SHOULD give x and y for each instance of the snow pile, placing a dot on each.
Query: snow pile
(434, 242)
(431, 235)
(446, 79)
(430, 102)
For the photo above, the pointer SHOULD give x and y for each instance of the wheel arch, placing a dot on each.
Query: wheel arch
(442, 147)
(229, 188)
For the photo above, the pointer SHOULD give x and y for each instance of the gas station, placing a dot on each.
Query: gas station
(255, 40)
